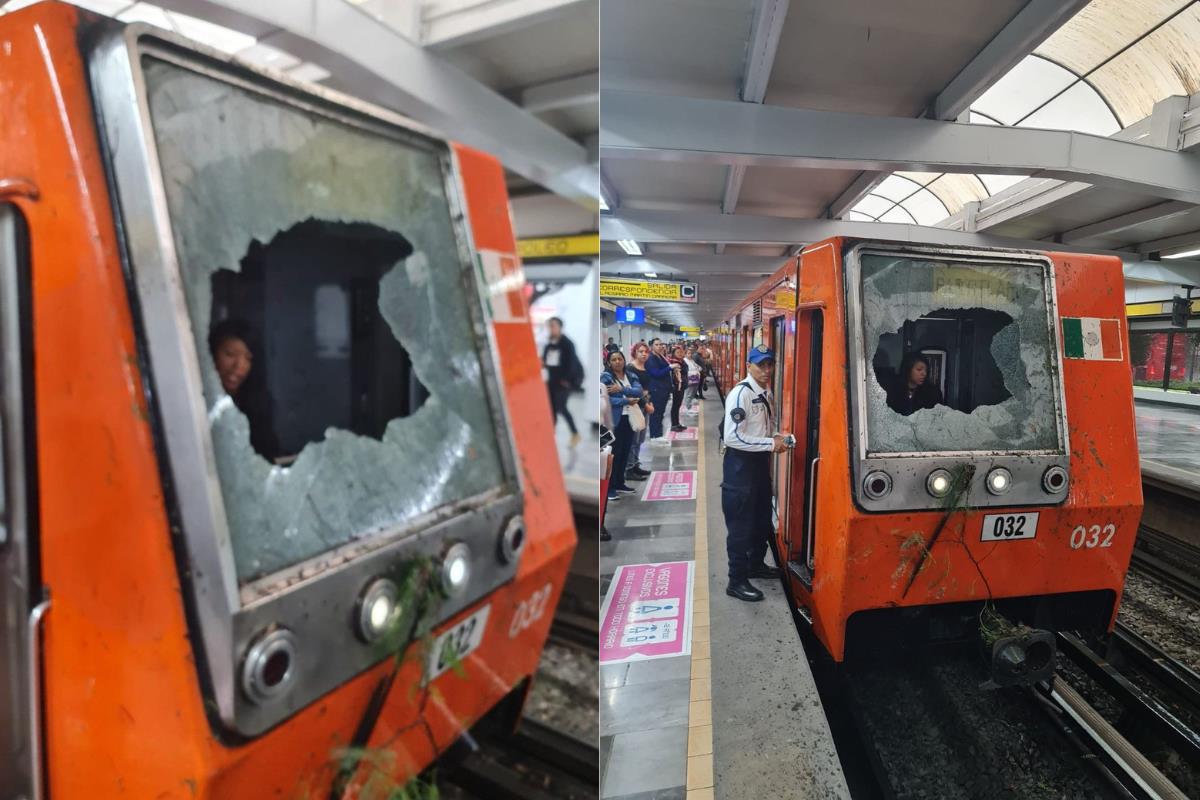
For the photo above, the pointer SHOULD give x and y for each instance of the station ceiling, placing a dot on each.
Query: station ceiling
(725, 213)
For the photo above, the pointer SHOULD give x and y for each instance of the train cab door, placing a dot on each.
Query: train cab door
(799, 532)
(781, 462)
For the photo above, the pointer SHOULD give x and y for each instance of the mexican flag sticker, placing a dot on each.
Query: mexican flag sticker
(1091, 338)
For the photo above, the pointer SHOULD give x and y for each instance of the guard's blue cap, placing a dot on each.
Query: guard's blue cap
(760, 353)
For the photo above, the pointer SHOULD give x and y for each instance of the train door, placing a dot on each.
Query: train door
(21, 605)
(799, 531)
(780, 463)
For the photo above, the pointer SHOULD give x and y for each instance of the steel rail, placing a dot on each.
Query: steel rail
(1148, 709)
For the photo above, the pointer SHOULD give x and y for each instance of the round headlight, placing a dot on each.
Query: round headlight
(456, 569)
(939, 483)
(999, 480)
(1054, 480)
(378, 606)
(877, 484)
(270, 665)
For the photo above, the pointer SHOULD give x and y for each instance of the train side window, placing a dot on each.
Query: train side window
(983, 334)
(332, 248)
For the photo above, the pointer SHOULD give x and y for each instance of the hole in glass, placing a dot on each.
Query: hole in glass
(299, 343)
(945, 357)
(276, 668)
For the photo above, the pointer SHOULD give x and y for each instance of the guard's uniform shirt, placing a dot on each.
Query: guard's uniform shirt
(746, 475)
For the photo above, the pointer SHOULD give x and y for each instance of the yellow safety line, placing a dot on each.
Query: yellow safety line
(700, 732)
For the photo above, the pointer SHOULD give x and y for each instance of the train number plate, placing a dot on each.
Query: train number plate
(1007, 527)
(457, 643)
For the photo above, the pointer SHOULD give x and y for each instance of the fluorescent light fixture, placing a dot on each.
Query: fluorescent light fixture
(1183, 253)
(651, 274)
(630, 247)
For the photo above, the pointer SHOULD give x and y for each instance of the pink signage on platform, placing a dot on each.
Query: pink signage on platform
(673, 485)
(647, 613)
(682, 436)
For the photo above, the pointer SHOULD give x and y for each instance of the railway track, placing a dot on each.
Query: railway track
(1168, 561)
(535, 763)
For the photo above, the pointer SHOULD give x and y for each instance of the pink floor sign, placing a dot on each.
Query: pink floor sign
(671, 485)
(647, 613)
(682, 436)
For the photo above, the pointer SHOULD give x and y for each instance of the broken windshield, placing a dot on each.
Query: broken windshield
(328, 297)
(960, 355)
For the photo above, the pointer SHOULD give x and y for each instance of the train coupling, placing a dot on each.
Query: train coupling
(1020, 655)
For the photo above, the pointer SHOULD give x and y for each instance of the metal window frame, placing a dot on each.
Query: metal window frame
(314, 598)
(910, 469)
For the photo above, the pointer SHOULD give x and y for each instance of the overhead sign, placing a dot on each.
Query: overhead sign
(689, 329)
(587, 244)
(661, 291)
(628, 315)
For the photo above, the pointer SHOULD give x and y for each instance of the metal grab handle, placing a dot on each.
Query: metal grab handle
(812, 512)
(35, 695)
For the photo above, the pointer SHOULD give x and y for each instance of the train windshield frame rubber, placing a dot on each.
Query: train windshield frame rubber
(313, 599)
(909, 468)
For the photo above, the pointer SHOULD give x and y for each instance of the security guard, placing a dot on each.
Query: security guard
(746, 479)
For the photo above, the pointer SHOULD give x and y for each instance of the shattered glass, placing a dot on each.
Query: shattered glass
(239, 167)
(896, 290)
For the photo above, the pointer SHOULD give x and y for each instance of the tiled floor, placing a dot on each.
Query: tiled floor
(646, 708)
(1169, 435)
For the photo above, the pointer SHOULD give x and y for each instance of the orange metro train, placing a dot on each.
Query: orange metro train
(220, 591)
(1018, 490)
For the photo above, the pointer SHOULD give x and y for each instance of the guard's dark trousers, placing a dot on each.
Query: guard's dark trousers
(746, 504)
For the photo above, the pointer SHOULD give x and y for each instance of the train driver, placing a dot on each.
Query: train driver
(746, 475)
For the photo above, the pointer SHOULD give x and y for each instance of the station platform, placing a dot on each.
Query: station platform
(736, 714)
(1169, 444)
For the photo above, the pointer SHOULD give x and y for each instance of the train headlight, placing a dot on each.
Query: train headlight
(877, 484)
(999, 480)
(378, 606)
(456, 569)
(939, 483)
(1054, 480)
(512, 539)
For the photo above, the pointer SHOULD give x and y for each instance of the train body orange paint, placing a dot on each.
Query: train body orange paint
(126, 708)
(851, 559)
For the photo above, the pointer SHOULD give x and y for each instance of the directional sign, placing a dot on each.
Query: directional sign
(689, 329)
(661, 291)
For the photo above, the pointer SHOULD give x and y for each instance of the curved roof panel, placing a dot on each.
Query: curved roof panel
(1099, 73)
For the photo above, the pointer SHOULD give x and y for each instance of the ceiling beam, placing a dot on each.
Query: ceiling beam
(673, 226)
(1032, 25)
(1123, 222)
(1172, 273)
(453, 23)
(769, 16)
(643, 126)
(372, 61)
(580, 90)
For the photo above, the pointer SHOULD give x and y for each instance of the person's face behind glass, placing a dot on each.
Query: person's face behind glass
(233, 361)
(917, 373)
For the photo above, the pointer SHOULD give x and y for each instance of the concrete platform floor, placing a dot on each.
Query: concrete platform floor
(739, 718)
(1169, 435)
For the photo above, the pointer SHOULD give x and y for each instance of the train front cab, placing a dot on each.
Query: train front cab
(887, 522)
(191, 607)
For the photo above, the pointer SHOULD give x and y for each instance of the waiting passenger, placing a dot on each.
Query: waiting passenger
(564, 373)
(233, 358)
(625, 394)
(637, 367)
(912, 389)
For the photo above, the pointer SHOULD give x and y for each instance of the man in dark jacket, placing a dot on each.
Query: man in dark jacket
(563, 373)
